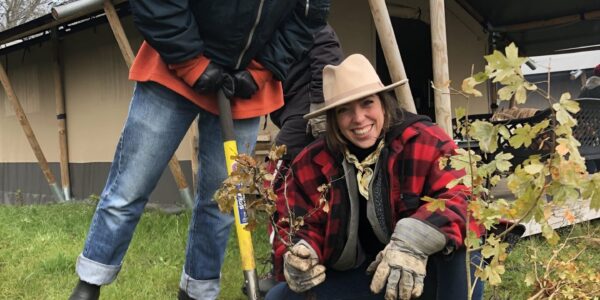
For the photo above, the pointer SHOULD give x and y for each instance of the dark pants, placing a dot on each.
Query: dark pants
(293, 134)
(445, 279)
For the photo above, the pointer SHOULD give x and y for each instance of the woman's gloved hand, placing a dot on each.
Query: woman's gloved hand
(301, 268)
(402, 265)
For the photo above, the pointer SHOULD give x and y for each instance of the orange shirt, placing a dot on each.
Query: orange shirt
(148, 66)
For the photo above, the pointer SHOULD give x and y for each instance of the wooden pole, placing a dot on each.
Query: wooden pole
(439, 47)
(385, 31)
(119, 33)
(61, 118)
(35, 146)
(117, 29)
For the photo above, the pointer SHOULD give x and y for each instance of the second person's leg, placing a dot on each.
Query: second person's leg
(209, 228)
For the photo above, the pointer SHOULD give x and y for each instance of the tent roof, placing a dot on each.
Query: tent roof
(540, 27)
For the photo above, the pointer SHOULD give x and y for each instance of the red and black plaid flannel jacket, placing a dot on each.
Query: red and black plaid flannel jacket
(412, 172)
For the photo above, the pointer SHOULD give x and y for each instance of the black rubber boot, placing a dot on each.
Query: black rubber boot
(183, 295)
(85, 291)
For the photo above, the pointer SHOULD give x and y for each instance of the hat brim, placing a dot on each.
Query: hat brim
(351, 98)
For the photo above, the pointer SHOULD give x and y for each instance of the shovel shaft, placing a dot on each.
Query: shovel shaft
(239, 210)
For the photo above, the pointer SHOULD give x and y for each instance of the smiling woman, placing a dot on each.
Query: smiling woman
(376, 163)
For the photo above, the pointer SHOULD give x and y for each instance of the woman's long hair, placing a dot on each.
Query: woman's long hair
(392, 115)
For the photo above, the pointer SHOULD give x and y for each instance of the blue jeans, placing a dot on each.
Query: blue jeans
(157, 121)
(445, 279)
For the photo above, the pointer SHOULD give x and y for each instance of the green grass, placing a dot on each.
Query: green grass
(39, 245)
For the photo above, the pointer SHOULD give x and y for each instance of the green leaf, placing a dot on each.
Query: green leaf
(487, 135)
(521, 137)
(570, 105)
(592, 191)
(503, 161)
(481, 77)
(564, 96)
(540, 126)
(506, 92)
(503, 131)
(533, 168)
(496, 60)
(550, 235)
(563, 117)
(492, 273)
(435, 204)
(468, 86)
(512, 56)
(472, 240)
(529, 279)
(453, 183)
(460, 112)
(521, 94)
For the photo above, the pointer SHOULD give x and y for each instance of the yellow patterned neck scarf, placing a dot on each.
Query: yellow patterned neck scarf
(364, 172)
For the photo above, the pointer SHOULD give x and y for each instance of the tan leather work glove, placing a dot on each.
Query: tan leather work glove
(401, 266)
(317, 125)
(301, 268)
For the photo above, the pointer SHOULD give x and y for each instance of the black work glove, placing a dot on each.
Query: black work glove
(228, 85)
(210, 80)
(244, 86)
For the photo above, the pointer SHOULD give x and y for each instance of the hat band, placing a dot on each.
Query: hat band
(359, 90)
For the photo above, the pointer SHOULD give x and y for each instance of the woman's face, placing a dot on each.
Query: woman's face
(361, 121)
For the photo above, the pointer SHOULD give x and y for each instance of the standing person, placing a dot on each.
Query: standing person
(191, 50)
(303, 93)
(376, 163)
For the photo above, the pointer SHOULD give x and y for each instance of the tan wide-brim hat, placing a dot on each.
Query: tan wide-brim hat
(353, 79)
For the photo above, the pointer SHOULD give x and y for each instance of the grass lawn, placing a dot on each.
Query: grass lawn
(39, 245)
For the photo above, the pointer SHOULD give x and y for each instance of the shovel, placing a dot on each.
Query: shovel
(239, 209)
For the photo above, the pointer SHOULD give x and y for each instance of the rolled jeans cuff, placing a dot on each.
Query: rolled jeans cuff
(94, 272)
(200, 289)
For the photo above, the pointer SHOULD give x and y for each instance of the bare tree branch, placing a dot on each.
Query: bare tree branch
(16, 12)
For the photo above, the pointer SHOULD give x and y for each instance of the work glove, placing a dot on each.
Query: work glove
(244, 84)
(318, 125)
(301, 268)
(401, 266)
(211, 79)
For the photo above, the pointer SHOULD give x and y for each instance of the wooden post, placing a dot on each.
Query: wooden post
(117, 29)
(35, 146)
(61, 118)
(439, 47)
(383, 24)
(119, 33)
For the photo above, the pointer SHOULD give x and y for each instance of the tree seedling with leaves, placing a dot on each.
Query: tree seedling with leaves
(540, 186)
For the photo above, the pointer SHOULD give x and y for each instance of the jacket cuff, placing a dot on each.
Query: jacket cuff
(189, 71)
(419, 235)
(259, 73)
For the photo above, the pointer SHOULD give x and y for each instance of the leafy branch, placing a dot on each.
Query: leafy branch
(555, 171)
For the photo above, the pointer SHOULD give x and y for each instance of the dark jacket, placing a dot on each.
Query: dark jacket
(231, 32)
(303, 86)
(408, 169)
